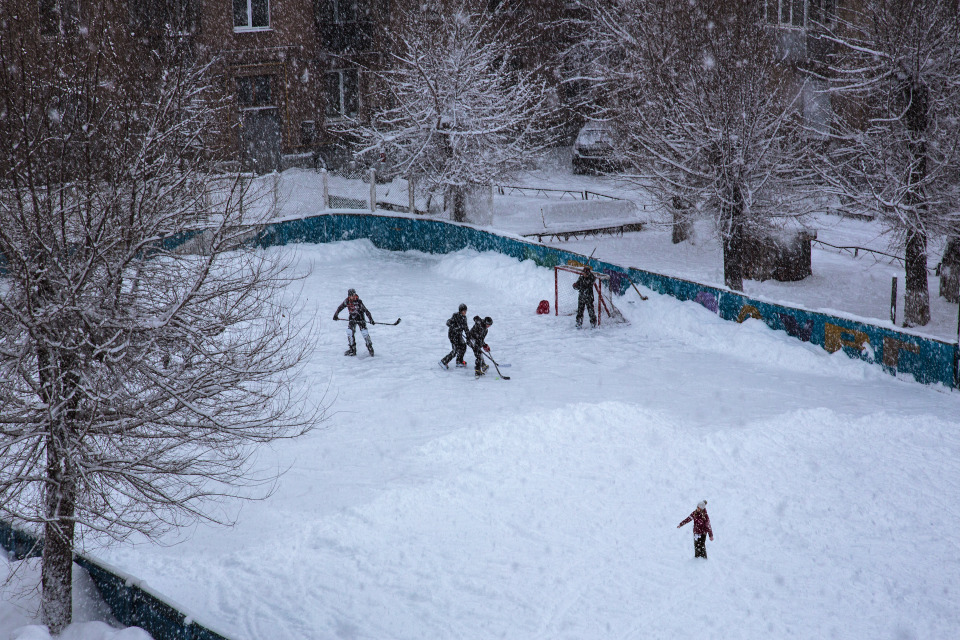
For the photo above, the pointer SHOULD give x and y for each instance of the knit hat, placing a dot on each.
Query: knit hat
(702, 504)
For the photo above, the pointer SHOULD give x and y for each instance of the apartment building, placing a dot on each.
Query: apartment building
(293, 68)
(800, 27)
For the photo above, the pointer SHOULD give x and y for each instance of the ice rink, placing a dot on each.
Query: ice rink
(434, 506)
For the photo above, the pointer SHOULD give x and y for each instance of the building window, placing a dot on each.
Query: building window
(251, 14)
(308, 133)
(786, 13)
(57, 16)
(800, 13)
(343, 99)
(255, 92)
(345, 11)
(175, 17)
(817, 109)
(821, 12)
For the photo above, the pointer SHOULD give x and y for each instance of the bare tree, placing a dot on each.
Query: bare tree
(706, 112)
(456, 107)
(137, 379)
(897, 148)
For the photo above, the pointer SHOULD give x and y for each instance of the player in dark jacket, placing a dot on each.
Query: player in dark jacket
(476, 338)
(357, 310)
(456, 331)
(584, 285)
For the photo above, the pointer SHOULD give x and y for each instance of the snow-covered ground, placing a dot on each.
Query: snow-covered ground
(432, 505)
(19, 603)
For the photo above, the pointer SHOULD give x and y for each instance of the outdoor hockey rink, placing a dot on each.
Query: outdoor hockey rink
(434, 506)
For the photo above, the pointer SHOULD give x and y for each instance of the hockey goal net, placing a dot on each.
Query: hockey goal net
(565, 296)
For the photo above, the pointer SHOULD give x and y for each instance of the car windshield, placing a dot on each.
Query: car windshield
(594, 134)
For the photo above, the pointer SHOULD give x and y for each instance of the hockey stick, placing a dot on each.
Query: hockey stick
(388, 324)
(502, 365)
(489, 357)
(642, 297)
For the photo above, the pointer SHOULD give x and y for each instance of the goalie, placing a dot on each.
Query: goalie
(584, 285)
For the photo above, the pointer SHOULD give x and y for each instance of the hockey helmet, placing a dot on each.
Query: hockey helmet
(463, 308)
(351, 292)
(488, 321)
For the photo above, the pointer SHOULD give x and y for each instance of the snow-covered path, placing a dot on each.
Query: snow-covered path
(435, 506)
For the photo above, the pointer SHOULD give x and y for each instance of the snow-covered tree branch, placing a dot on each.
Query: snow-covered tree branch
(704, 113)
(456, 108)
(138, 379)
(896, 152)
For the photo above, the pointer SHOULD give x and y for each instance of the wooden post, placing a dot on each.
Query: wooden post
(956, 355)
(243, 190)
(893, 301)
(373, 190)
(326, 189)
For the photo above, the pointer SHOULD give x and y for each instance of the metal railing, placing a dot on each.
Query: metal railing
(508, 190)
(856, 251)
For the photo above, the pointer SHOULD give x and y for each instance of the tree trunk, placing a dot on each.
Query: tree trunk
(916, 307)
(56, 608)
(681, 221)
(459, 206)
(917, 296)
(60, 491)
(733, 256)
(733, 240)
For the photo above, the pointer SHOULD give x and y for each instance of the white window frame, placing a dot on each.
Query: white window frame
(249, 24)
(341, 110)
(776, 21)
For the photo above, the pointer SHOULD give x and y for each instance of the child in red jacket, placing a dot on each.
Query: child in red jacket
(701, 528)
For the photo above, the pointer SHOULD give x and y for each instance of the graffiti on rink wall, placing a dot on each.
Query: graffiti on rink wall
(928, 360)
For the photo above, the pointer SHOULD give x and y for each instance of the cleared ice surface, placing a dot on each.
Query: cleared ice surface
(434, 506)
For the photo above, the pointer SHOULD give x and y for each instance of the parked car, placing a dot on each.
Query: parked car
(594, 149)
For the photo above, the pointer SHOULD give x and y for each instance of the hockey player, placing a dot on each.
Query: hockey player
(356, 309)
(701, 528)
(584, 285)
(476, 338)
(456, 331)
